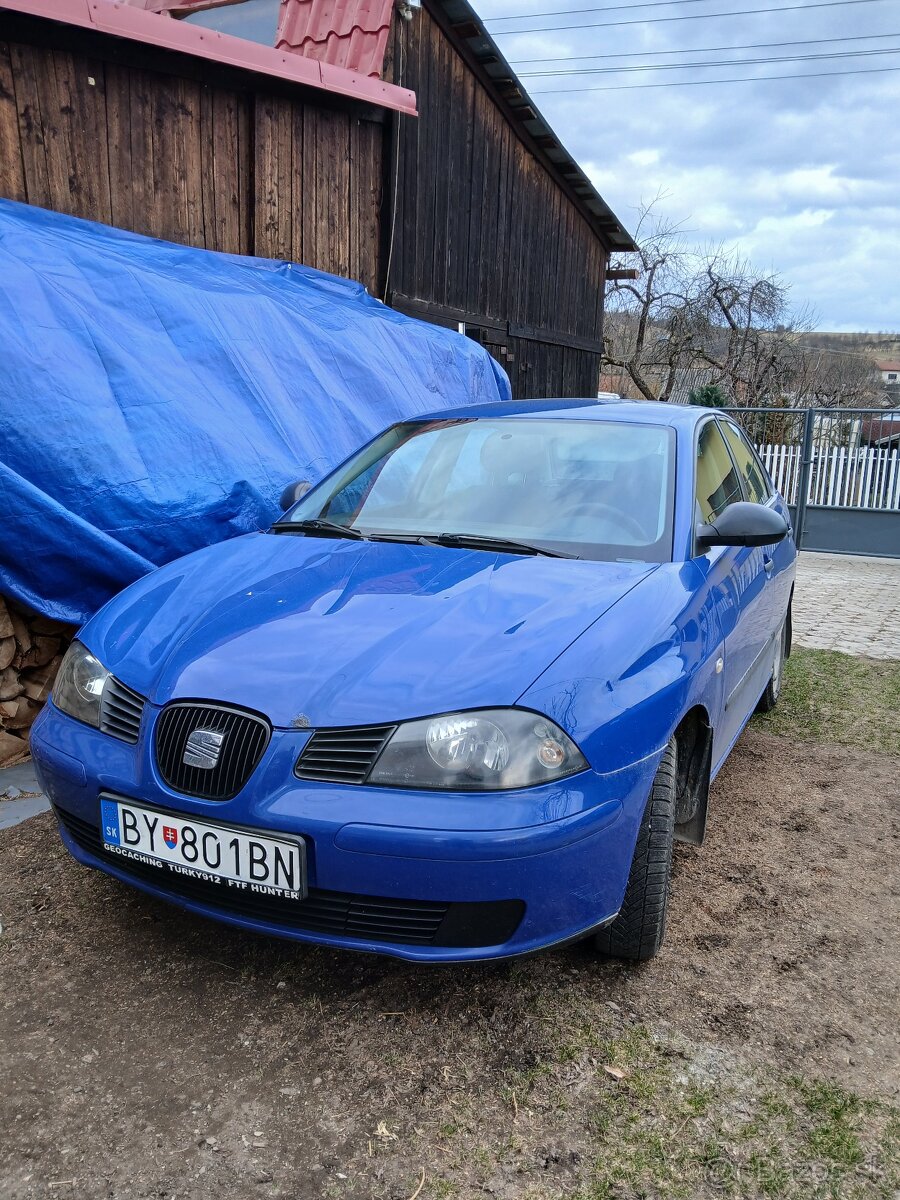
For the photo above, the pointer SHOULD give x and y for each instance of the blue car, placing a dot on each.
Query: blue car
(457, 703)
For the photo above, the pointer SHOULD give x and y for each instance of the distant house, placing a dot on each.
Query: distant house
(882, 431)
(890, 378)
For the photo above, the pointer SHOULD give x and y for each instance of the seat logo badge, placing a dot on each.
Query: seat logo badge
(202, 749)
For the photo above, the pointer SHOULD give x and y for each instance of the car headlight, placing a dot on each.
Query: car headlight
(79, 685)
(490, 750)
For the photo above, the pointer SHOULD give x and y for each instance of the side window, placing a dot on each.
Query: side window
(756, 486)
(717, 481)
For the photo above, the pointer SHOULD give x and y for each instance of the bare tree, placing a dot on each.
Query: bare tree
(835, 379)
(706, 319)
(646, 334)
(743, 327)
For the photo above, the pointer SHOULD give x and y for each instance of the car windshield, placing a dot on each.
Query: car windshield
(592, 489)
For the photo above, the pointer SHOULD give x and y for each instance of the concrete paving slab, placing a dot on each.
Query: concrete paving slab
(848, 603)
(20, 795)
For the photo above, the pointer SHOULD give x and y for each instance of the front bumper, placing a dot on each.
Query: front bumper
(510, 872)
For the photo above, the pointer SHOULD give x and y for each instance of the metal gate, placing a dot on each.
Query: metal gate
(838, 470)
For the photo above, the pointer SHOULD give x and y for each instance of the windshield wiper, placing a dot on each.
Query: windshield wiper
(319, 525)
(469, 541)
(478, 541)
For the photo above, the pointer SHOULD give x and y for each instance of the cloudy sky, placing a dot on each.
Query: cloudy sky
(803, 175)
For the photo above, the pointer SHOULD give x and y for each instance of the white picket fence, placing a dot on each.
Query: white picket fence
(840, 477)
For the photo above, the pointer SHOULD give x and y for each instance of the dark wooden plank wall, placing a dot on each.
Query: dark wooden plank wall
(240, 171)
(482, 228)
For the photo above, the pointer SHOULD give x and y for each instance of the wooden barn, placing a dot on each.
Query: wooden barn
(386, 143)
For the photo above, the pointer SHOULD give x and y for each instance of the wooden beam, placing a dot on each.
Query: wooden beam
(442, 314)
(622, 273)
(552, 337)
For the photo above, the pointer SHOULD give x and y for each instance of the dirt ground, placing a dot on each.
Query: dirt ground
(147, 1053)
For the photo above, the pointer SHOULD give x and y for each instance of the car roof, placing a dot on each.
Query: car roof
(637, 412)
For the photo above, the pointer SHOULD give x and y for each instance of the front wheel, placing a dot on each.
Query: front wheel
(637, 932)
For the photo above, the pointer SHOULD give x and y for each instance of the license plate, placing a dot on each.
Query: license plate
(241, 859)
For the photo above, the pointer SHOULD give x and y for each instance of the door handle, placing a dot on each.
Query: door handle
(768, 563)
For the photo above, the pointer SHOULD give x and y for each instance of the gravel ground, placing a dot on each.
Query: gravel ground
(148, 1053)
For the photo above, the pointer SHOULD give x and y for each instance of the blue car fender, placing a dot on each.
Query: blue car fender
(623, 686)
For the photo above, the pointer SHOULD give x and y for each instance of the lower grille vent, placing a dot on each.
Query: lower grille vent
(340, 914)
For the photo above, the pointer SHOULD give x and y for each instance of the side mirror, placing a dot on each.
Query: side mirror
(294, 492)
(743, 524)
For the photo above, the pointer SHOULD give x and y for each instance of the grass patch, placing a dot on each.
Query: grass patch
(833, 1137)
(442, 1189)
(781, 1151)
(672, 1123)
(835, 697)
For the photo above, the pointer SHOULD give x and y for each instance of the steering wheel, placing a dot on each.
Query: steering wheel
(615, 515)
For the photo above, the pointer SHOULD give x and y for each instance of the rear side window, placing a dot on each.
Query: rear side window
(753, 477)
(717, 481)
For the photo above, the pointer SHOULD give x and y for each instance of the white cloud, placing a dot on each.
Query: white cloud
(644, 158)
(801, 175)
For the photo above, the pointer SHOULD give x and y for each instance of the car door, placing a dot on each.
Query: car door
(779, 557)
(736, 577)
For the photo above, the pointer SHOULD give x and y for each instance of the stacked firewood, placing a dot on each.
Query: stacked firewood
(31, 649)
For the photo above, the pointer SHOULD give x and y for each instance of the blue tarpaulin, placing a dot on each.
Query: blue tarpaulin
(156, 398)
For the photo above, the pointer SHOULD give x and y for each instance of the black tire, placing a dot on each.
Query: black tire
(769, 698)
(637, 932)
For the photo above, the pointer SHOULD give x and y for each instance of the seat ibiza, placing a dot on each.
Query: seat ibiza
(458, 702)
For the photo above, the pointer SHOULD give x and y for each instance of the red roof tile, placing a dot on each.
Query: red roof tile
(346, 33)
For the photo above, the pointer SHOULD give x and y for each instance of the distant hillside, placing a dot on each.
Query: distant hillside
(873, 345)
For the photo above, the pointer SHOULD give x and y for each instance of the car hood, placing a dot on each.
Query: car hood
(337, 632)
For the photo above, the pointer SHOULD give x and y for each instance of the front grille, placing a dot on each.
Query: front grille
(121, 710)
(342, 755)
(246, 738)
(341, 914)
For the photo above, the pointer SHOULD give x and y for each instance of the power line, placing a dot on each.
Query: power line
(630, 87)
(864, 37)
(728, 62)
(570, 12)
(743, 12)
